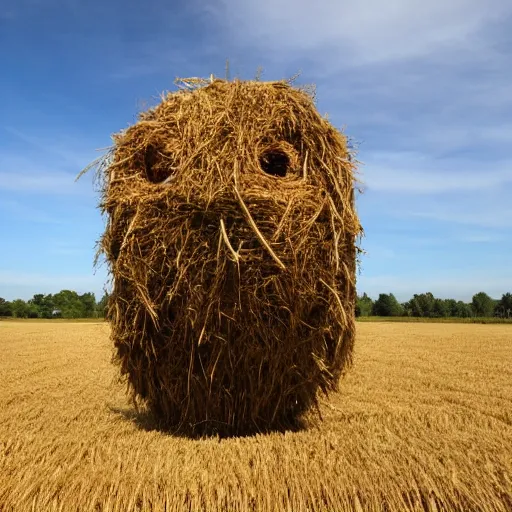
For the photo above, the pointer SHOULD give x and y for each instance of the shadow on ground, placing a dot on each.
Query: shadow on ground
(146, 420)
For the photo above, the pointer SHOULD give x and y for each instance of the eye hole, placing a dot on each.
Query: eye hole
(149, 164)
(275, 162)
(157, 165)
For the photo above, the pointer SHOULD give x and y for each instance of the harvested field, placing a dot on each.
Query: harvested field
(423, 422)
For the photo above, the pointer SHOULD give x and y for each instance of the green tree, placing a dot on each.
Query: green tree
(35, 304)
(102, 306)
(426, 303)
(406, 308)
(5, 308)
(504, 306)
(20, 308)
(43, 304)
(463, 310)
(32, 311)
(482, 305)
(387, 305)
(421, 305)
(412, 308)
(451, 307)
(440, 309)
(364, 305)
(69, 303)
(88, 301)
(47, 306)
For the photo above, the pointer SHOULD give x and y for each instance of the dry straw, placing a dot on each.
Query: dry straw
(231, 240)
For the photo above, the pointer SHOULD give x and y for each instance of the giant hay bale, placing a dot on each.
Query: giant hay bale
(231, 240)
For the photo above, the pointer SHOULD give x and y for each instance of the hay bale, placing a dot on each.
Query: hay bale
(231, 242)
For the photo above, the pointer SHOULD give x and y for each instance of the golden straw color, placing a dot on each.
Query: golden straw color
(231, 240)
(423, 424)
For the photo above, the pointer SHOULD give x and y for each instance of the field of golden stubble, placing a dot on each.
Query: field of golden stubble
(423, 422)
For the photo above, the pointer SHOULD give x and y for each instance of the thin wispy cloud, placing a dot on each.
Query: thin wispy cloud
(363, 32)
(482, 238)
(475, 238)
(491, 217)
(38, 164)
(74, 246)
(419, 174)
(147, 60)
(19, 210)
(60, 150)
(40, 182)
(67, 251)
(381, 252)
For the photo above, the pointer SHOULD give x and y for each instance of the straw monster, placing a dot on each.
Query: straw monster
(231, 242)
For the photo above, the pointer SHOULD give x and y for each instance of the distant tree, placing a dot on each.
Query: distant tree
(35, 305)
(32, 311)
(451, 307)
(102, 306)
(42, 304)
(69, 304)
(440, 309)
(421, 305)
(88, 301)
(20, 308)
(47, 306)
(482, 305)
(412, 307)
(37, 299)
(364, 305)
(406, 308)
(427, 303)
(463, 310)
(504, 306)
(387, 305)
(5, 308)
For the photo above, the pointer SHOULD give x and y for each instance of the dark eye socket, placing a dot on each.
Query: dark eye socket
(150, 159)
(275, 162)
(158, 166)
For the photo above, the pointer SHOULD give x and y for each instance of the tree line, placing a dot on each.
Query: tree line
(69, 304)
(428, 306)
(65, 304)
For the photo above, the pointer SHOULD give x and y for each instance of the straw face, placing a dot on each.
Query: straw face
(231, 242)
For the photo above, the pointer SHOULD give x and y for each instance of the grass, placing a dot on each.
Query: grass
(446, 320)
(423, 422)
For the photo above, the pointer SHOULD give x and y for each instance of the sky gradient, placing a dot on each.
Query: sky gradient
(422, 87)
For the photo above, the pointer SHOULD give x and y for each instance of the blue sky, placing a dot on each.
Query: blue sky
(423, 87)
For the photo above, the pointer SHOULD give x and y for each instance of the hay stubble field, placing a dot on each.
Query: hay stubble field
(423, 422)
